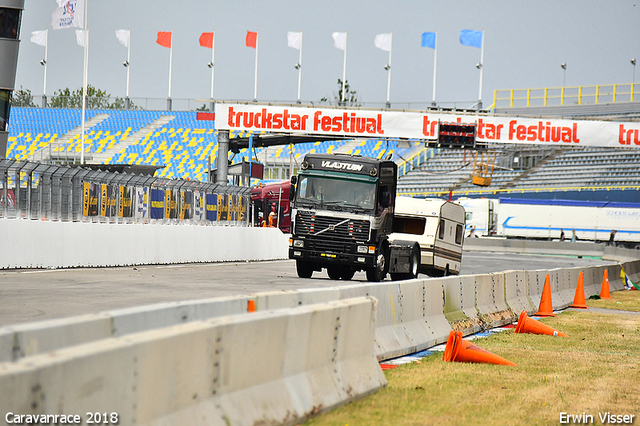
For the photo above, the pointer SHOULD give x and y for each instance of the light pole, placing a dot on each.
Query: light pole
(564, 72)
(633, 62)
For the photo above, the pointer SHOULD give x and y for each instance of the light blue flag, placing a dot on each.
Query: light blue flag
(429, 40)
(471, 38)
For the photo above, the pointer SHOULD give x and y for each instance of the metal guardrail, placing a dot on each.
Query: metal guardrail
(560, 96)
(30, 190)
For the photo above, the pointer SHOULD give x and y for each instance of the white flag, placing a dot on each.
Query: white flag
(340, 40)
(383, 41)
(123, 36)
(80, 37)
(294, 40)
(39, 38)
(69, 14)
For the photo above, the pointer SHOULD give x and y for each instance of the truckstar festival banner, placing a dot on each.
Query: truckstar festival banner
(423, 125)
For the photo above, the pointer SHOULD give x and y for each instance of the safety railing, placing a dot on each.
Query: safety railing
(30, 190)
(562, 96)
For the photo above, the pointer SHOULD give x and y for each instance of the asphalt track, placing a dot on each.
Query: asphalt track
(34, 295)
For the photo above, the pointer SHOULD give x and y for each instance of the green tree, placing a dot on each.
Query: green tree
(348, 98)
(65, 98)
(22, 98)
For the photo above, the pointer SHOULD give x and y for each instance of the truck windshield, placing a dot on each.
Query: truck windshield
(336, 192)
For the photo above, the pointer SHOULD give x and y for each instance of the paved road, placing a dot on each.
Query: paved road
(32, 295)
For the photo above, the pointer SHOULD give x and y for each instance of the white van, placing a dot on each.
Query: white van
(437, 226)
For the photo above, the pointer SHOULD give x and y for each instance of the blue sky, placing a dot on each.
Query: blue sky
(525, 43)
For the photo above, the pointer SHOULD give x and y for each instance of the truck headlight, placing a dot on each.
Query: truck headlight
(362, 249)
(298, 243)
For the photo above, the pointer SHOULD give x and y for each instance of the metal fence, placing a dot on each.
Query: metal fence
(30, 190)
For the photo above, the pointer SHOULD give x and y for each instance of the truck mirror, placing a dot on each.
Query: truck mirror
(294, 180)
(292, 192)
(384, 200)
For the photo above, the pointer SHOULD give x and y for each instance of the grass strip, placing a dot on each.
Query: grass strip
(595, 370)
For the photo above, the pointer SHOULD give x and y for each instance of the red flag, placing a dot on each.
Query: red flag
(206, 40)
(164, 39)
(252, 39)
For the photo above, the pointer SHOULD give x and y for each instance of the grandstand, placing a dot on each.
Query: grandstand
(175, 140)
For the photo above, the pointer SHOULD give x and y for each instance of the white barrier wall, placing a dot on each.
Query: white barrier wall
(412, 314)
(268, 367)
(47, 244)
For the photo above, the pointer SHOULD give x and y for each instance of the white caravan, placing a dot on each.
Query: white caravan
(438, 228)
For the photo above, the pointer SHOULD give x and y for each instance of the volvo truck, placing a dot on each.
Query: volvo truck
(343, 214)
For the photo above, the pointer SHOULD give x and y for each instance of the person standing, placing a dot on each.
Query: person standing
(574, 238)
(561, 234)
(612, 237)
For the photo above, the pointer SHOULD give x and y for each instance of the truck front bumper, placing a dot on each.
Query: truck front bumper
(333, 259)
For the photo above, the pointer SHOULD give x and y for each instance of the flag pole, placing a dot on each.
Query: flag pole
(128, 61)
(213, 49)
(435, 61)
(344, 69)
(84, 78)
(389, 75)
(170, 68)
(255, 84)
(300, 67)
(46, 54)
(481, 68)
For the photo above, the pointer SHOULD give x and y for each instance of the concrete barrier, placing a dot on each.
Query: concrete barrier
(390, 336)
(460, 304)
(29, 339)
(563, 288)
(516, 292)
(78, 244)
(423, 313)
(445, 303)
(535, 286)
(615, 281)
(490, 300)
(286, 366)
(410, 315)
(504, 245)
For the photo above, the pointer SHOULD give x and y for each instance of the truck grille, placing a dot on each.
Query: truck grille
(329, 234)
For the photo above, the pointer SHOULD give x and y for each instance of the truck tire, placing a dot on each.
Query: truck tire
(414, 263)
(304, 269)
(334, 272)
(379, 271)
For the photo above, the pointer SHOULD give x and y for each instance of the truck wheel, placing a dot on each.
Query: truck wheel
(304, 269)
(379, 271)
(414, 263)
(334, 272)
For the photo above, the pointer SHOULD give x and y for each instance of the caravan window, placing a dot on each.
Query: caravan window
(458, 234)
(441, 231)
(409, 225)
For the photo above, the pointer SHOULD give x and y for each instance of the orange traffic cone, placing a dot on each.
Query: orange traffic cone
(251, 306)
(604, 291)
(460, 350)
(578, 300)
(531, 326)
(546, 306)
